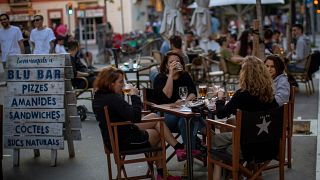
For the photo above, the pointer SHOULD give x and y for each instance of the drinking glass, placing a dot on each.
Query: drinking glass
(231, 90)
(183, 93)
(202, 91)
(126, 89)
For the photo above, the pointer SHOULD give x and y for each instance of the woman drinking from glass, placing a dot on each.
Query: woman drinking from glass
(174, 85)
(108, 86)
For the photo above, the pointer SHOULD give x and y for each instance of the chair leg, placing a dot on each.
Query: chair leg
(210, 171)
(289, 150)
(109, 166)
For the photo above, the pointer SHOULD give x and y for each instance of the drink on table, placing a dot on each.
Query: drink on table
(202, 91)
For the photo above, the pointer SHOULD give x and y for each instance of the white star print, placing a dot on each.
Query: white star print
(263, 126)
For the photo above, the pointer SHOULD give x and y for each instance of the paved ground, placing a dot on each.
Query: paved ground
(90, 162)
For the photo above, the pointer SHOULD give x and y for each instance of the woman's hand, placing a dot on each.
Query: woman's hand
(173, 68)
(133, 91)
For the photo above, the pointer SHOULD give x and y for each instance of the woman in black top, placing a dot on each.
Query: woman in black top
(166, 89)
(108, 86)
(255, 94)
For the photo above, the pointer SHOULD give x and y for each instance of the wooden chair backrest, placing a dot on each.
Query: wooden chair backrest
(261, 144)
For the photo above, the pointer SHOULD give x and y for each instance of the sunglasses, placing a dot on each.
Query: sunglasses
(3, 19)
(35, 20)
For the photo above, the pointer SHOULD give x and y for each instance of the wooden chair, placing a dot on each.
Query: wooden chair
(148, 101)
(259, 144)
(304, 76)
(289, 130)
(150, 154)
(157, 56)
(82, 110)
(213, 76)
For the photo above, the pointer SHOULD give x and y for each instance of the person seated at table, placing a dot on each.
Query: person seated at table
(108, 92)
(176, 46)
(79, 69)
(300, 51)
(255, 93)
(245, 44)
(166, 90)
(281, 85)
(190, 41)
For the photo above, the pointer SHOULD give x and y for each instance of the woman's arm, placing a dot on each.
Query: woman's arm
(124, 110)
(282, 91)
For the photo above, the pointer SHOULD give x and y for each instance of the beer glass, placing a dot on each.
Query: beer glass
(202, 91)
(126, 89)
(231, 90)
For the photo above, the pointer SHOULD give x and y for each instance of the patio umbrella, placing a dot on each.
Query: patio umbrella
(172, 19)
(201, 19)
(234, 2)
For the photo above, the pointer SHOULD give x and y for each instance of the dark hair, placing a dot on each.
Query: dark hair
(73, 44)
(277, 62)
(189, 32)
(299, 26)
(244, 43)
(163, 65)
(268, 34)
(276, 31)
(234, 36)
(6, 15)
(176, 41)
(221, 40)
(60, 38)
(106, 77)
(38, 15)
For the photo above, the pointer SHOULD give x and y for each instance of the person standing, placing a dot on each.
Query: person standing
(42, 38)
(11, 39)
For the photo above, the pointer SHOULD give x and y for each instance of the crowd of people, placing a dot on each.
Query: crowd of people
(263, 84)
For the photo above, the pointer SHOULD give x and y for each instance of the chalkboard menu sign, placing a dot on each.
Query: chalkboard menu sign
(39, 94)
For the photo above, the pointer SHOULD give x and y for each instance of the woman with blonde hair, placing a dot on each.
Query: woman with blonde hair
(255, 93)
(108, 86)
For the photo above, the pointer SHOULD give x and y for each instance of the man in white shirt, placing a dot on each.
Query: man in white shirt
(11, 39)
(42, 38)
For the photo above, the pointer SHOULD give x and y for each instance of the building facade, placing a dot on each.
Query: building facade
(124, 15)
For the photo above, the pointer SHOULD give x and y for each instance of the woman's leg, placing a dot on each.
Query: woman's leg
(182, 129)
(156, 126)
(216, 172)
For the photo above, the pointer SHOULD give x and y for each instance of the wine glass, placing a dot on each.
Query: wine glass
(183, 93)
(202, 91)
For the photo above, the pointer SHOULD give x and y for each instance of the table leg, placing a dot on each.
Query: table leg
(189, 148)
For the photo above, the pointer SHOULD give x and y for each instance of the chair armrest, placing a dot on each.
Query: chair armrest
(214, 122)
(85, 81)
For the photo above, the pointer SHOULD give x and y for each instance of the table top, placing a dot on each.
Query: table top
(173, 109)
